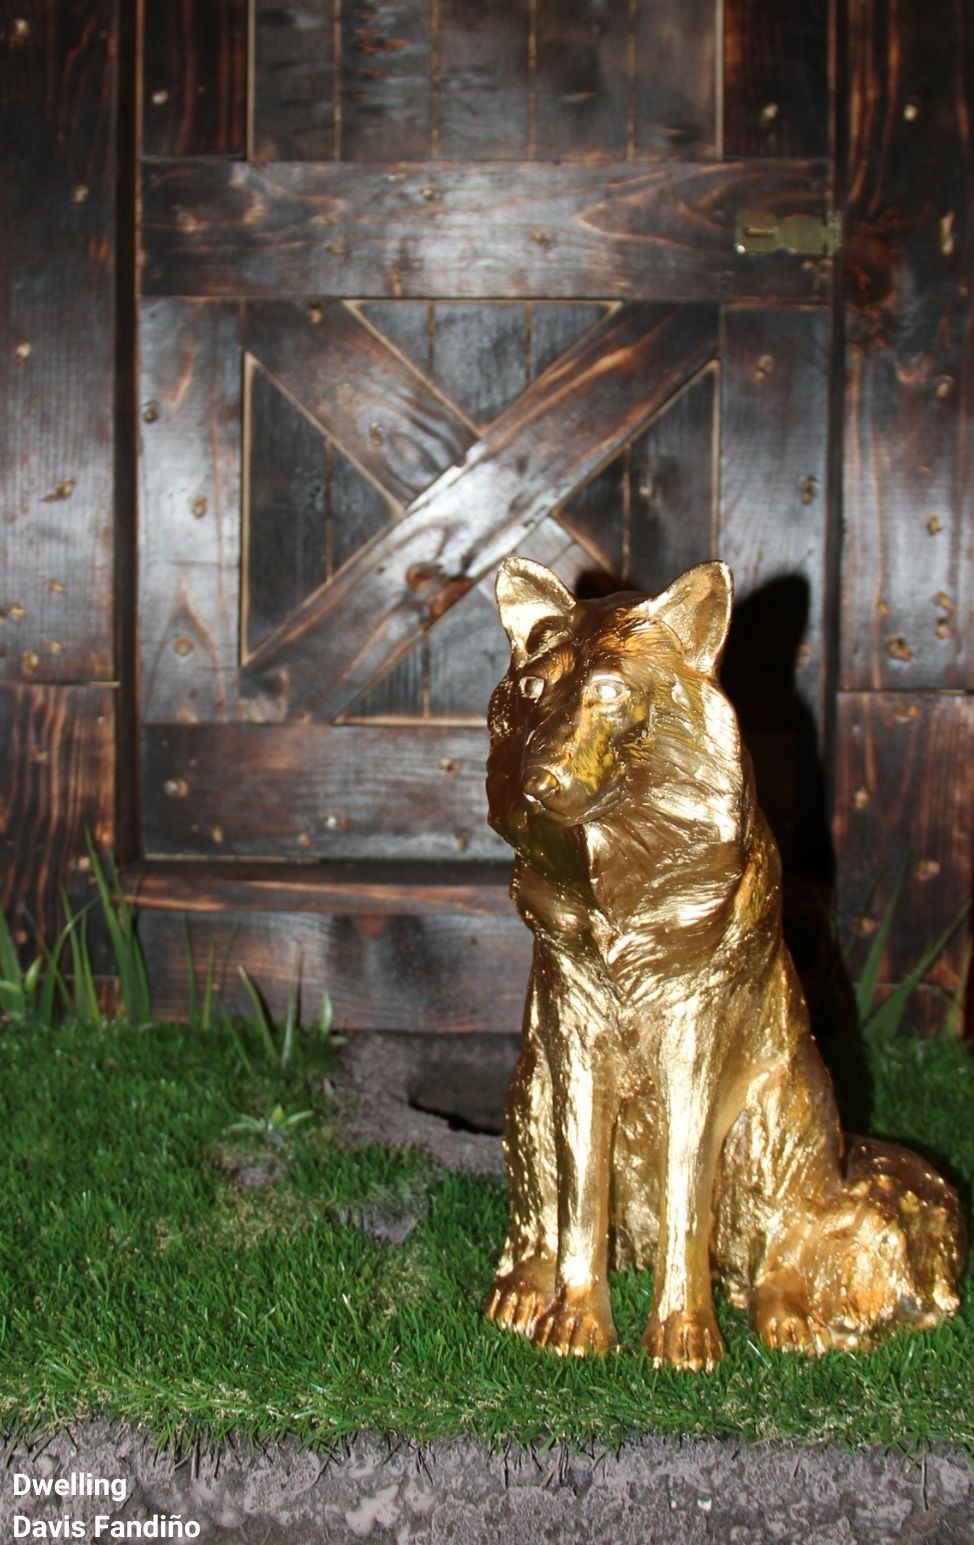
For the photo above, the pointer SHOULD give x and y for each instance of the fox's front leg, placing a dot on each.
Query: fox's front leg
(525, 1281)
(579, 1318)
(682, 1329)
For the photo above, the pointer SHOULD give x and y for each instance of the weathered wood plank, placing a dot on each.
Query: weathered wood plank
(776, 78)
(904, 793)
(773, 531)
(437, 973)
(675, 78)
(483, 79)
(360, 889)
(567, 424)
(295, 791)
(673, 487)
(286, 521)
(908, 564)
(194, 77)
(773, 522)
(581, 88)
(513, 230)
(293, 107)
(480, 356)
(57, 781)
(381, 411)
(190, 505)
(386, 91)
(58, 80)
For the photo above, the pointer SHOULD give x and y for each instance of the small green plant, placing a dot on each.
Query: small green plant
(119, 919)
(883, 1016)
(275, 1128)
(279, 1046)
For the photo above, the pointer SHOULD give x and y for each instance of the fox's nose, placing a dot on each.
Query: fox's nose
(540, 783)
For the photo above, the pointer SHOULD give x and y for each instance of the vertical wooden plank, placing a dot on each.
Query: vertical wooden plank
(673, 480)
(194, 77)
(480, 356)
(190, 500)
(772, 531)
(908, 568)
(286, 519)
(358, 509)
(484, 80)
(581, 79)
(598, 516)
(776, 82)
(57, 781)
(57, 334)
(773, 517)
(293, 107)
(904, 794)
(675, 79)
(405, 323)
(385, 80)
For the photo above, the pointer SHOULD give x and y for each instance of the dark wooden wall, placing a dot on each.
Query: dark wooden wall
(821, 431)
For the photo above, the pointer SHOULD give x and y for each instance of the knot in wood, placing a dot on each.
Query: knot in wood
(434, 590)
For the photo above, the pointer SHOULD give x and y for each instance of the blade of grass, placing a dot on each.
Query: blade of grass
(260, 1015)
(191, 992)
(291, 1020)
(9, 959)
(884, 1019)
(866, 986)
(953, 1024)
(208, 989)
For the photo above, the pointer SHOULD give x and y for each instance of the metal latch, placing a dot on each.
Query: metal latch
(758, 232)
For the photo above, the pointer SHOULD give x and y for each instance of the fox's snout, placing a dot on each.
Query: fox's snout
(540, 783)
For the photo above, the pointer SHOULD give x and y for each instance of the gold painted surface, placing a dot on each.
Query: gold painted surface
(669, 1107)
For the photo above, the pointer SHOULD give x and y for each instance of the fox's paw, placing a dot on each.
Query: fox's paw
(687, 1339)
(785, 1322)
(578, 1322)
(519, 1296)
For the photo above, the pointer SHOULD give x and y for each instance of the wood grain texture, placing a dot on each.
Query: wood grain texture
(386, 96)
(518, 230)
(567, 424)
(484, 79)
(776, 78)
(581, 80)
(673, 488)
(297, 791)
(293, 107)
(381, 412)
(904, 794)
(58, 91)
(675, 85)
(190, 508)
(773, 520)
(361, 889)
(437, 973)
(288, 514)
(57, 780)
(480, 356)
(908, 572)
(773, 531)
(194, 77)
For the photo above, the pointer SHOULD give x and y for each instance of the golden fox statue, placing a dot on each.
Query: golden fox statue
(669, 1107)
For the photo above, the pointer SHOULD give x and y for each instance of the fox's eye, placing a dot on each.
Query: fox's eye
(608, 691)
(532, 687)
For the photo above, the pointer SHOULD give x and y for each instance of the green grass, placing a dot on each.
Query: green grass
(138, 1280)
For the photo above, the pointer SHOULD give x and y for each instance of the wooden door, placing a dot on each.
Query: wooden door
(460, 281)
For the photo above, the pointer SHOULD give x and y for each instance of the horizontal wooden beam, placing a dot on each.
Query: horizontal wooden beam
(302, 791)
(436, 973)
(374, 889)
(663, 231)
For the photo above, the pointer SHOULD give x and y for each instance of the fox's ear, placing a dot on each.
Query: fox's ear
(697, 608)
(527, 592)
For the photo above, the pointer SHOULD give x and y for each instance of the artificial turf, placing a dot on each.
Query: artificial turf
(139, 1280)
